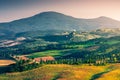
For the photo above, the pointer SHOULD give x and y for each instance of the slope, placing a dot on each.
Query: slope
(57, 21)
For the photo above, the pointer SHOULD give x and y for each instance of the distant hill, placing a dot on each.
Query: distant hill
(54, 35)
(57, 21)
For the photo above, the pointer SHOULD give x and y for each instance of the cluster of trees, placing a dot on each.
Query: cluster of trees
(23, 66)
(20, 66)
(31, 46)
(77, 59)
(105, 53)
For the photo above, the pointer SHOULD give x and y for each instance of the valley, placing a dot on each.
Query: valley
(54, 46)
(50, 57)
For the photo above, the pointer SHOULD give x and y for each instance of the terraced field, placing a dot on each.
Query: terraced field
(67, 72)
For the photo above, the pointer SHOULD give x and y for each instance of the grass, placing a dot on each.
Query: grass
(111, 75)
(83, 72)
(80, 45)
(56, 72)
(75, 47)
(94, 77)
(53, 53)
(67, 72)
(112, 42)
(56, 53)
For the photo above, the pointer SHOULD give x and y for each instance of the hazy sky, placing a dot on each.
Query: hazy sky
(16, 9)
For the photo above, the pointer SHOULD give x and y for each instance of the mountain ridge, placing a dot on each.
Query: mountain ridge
(58, 13)
(58, 21)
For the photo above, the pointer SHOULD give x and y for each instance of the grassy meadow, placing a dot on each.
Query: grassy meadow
(67, 72)
(53, 53)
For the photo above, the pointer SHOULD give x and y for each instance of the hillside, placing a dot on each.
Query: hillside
(102, 47)
(67, 72)
(63, 47)
(54, 36)
(95, 59)
(57, 21)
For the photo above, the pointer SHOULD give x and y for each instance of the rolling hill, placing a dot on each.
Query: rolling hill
(67, 72)
(57, 21)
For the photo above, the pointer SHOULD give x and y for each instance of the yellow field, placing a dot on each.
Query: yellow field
(67, 72)
(112, 75)
(6, 62)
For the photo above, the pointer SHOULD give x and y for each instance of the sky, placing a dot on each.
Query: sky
(16, 9)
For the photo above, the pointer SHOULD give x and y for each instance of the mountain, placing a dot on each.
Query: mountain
(57, 21)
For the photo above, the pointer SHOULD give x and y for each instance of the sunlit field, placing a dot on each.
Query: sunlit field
(67, 72)
(6, 62)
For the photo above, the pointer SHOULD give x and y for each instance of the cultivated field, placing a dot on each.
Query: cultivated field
(6, 62)
(67, 72)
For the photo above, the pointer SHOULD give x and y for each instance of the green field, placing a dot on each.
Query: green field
(54, 53)
(67, 72)
(112, 42)
(77, 62)
(100, 48)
